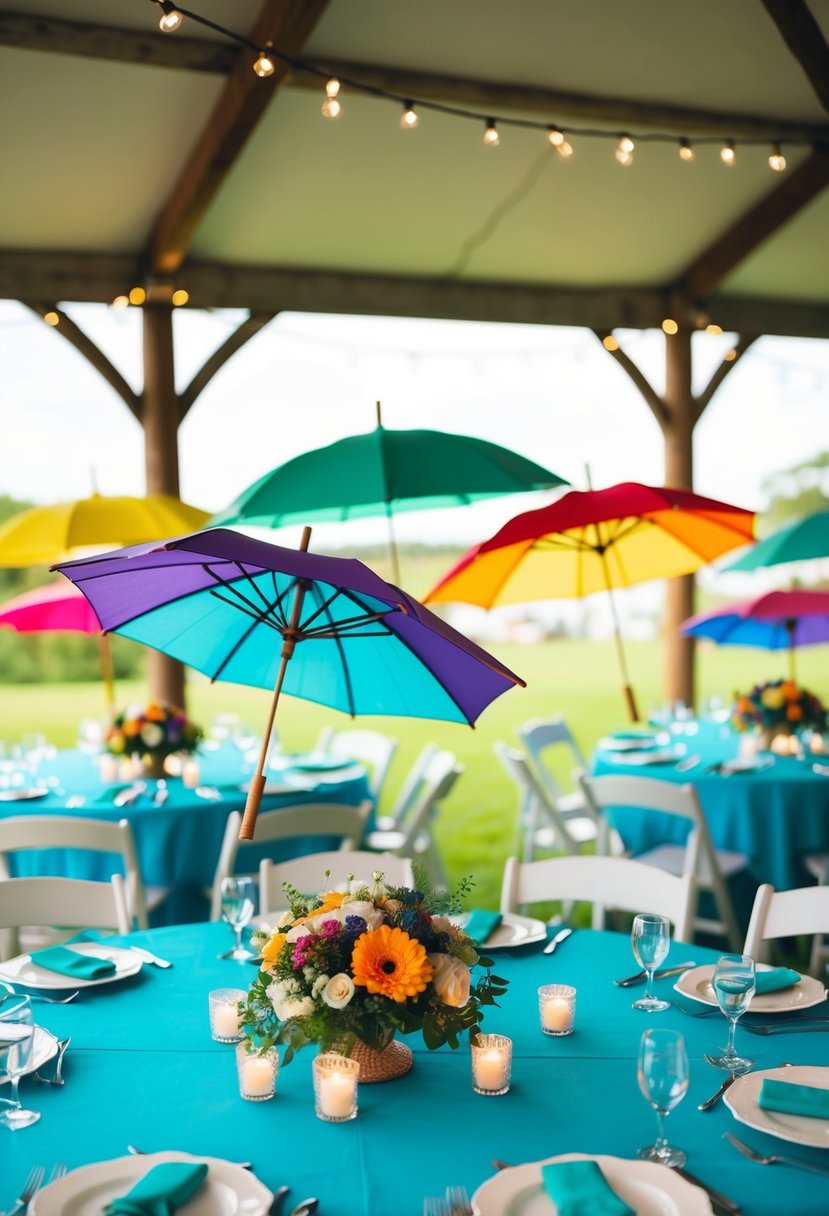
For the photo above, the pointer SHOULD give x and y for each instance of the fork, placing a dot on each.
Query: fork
(798, 1026)
(36, 996)
(57, 1172)
(776, 1159)
(434, 1206)
(457, 1201)
(30, 1188)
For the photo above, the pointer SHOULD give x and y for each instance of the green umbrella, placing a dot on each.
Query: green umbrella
(383, 472)
(799, 542)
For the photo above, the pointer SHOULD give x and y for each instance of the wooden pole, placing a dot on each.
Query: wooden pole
(393, 554)
(678, 432)
(257, 781)
(107, 672)
(791, 626)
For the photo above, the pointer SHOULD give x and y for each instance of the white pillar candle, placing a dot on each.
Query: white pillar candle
(557, 1008)
(125, 769)
(337, 1094)
(491, 1064)
(191, 774)
(108, 768)
(224, 1014)
(817, 744)
(226, 1020)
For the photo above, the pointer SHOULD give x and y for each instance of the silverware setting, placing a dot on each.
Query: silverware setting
(561, 936)
(276, 1203)
(306, 1207)
(687, 764)
(639, 977)
(57, 1063)
(32, 1185)
(130, 794)
(36, 996)
(723, 1206)
(711, 1102)
(799, 1163)
(149, 957)
(161, 792)
(143, 1152)
(208, 792)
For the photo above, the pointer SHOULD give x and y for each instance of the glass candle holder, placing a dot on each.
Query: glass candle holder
(257, 1071)
(491, 1064)
(224, 1014)
(557, 1008)
(335, 1087)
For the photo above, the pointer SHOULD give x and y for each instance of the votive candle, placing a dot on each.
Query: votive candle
(190, 774)
(257, 1072)
(108, 768)
(557, 1008)
(335, 1087)
(223, 1004)
(491, 1064)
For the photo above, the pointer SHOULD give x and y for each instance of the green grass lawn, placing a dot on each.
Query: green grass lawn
(476, 829)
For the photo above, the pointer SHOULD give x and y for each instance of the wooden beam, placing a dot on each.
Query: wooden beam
(247, 330)
(244, 99)
(655, 402)
(804, 38)
(762, 315)
(702, 400)
(93, 355)
(143, 47)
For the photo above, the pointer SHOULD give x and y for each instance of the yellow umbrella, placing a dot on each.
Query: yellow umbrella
(44, 535)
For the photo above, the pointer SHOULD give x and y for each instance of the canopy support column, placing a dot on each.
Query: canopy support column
(678, 432)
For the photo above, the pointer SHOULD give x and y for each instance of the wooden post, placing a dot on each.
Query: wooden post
(159, 417)
(678, 431)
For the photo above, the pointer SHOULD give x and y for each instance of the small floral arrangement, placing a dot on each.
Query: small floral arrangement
(778, 705)
(157, 730)
(363, 960)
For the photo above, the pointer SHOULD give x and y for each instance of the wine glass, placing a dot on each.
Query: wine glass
(650, 938)
(244, 738)
(16, 1039)
(237, 909)
(663, 1081)
(734, 985)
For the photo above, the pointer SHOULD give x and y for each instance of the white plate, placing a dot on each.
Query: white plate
(741, 1099)
(661, 756)
(23, 795)
(22, 970)
(754, 764)
(649, 1188)
(628, 744)
(514, 930)
(696, 984)
(227, 1190)
(44, 1048)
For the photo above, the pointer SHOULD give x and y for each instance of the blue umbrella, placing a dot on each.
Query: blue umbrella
(780, 620)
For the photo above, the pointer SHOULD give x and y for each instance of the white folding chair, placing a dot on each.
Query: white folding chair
(789, 914)
(310, 819)
(540, 823)
(370, 747)
(408, 791)
(23, 832)
(65, 902)
(614, 882)
(697, 856)
(308, 874)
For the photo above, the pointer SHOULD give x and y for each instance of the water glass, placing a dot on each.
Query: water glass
(237, 909)
(663, 1081)
(650, 939)
(734, 985)
(17, 1031)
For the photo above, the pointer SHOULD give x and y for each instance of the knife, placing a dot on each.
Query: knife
(640, 976)
(128, 796)
(719, 1200)
(150, 958)
(559, 937)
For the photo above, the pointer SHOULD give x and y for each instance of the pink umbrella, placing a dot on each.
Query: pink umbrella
(55, 608)
(779, 620)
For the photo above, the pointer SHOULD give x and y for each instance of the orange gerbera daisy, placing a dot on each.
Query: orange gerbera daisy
(330, 901)
(272, 950)
(388, 961)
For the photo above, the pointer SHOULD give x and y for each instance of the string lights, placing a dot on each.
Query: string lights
(331, 107)
(728, 153)
(171, 18)
(686, 151)
(491, 136)
(409, 118)
(624, 150)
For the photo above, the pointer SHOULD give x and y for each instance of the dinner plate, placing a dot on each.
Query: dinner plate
(624, 742)
(310, 762)
(228, 1190)
(696, 984)
(514, 930)
(741, 1099)
(21, 970)
(44, 1047)
(748, 764)
(23, 795)
(660, 756)
(649, 1188)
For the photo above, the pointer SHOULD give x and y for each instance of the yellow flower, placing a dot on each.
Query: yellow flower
(773, 698)
(390, 962)
(330, 901)
(272, 950)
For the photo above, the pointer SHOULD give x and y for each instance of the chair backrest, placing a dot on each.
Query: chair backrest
(785, 914)
(411, 786)
(372, 747)
(534, 800)
(613, 882)
(307, 874)
(541, 734)
(65, 901)
(666, 797)
(440, 775)
(307, 819)
(22, 832)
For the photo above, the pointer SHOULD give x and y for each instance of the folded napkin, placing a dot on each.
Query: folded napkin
(70, 962)
(162, 1189)
(793, 1099)
(579, 1188)
(481, 924)
(642, 734)
(776, 978)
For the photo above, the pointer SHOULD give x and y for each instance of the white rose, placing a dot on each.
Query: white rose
(315, 923)
(152, 734)
(365, 908)
(297, 932)
(338, 991)
(451, 979)
(442, 924)
(285, 919)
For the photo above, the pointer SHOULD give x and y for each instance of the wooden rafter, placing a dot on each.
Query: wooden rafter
(247, 330)
(702, 400)
(804, 38)
(245, 97)
(652, 397)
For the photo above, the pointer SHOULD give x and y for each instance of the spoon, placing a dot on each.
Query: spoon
(276, 1203)
(161, 792)
(142, 1152)
(306, 1208)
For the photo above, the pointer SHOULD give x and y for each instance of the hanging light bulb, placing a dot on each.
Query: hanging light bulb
(610, 343)
(669, 326)
(171, 18)
(51, 318)
(558, 140)
(120, 303)
(728, 153)
(264, 64)
(179, 297)
(624, 150)
(409, 119)
(565, 149)
(491, 136)
(777, 160)
(714, 329)
(331, 107)
(137, 296)
(686, 151)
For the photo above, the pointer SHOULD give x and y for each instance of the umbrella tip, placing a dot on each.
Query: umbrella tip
(379, 413)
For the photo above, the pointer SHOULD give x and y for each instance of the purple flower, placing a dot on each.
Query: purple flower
(330, 928)
(353, 926)
(302, 948)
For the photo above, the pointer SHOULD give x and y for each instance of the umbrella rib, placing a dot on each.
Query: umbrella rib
(257, 620)
(260, 616)
(349, 690)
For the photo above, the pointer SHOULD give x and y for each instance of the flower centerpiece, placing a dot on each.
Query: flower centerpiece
(349, 968)
(778, 707)
(152, 733)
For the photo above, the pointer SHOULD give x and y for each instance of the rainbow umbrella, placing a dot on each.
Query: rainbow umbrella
(596, 540)
(780, 620)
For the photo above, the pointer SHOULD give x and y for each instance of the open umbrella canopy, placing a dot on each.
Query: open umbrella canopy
(43, 535)
(802, 541)
(779, 620)
(55, 608)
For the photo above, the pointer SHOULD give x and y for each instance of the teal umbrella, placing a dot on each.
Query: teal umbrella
(383, 472)
(799, 542)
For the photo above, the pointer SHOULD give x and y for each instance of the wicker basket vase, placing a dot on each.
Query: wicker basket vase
(387, 1065)
(153, 764)
(770, 733)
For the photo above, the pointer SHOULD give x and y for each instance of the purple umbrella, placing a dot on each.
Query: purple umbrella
(780, 620)
(236, 608)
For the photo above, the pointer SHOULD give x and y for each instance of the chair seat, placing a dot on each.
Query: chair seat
(155, 896)
(817, 863)
(571, 804)
(581, 830)
(671, 858)
(384, 842)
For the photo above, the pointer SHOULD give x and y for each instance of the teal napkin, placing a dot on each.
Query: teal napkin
(110, 793)
(69, 962)
(579, 1188)
(480, 924)
(632, 734)
(162, 1189)
(778, 977)
(793, 1099)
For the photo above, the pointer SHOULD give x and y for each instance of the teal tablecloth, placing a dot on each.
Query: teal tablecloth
(775, 815)
(178, 843)
(142, 1069)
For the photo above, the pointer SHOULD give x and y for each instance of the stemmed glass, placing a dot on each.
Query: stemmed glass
(650, 938)
(734, 985)
(663, 1081)
(16, 1039)
(237, 909)
(244, 738)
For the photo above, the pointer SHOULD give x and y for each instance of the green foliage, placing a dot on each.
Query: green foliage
(798, 490)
